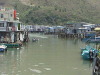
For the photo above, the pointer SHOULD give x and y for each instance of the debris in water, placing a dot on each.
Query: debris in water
(35, 70)
(47, 68)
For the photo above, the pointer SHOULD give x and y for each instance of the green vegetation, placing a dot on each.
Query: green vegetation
(57, 12)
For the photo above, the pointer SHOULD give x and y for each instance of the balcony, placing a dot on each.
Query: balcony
(11, 28)
(7, 29)
(2, 28)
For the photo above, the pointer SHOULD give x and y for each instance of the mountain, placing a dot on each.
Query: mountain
(56, 12)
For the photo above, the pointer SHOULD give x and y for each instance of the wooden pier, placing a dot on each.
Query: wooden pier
(63, 35)
(96, 66)
(26, 37)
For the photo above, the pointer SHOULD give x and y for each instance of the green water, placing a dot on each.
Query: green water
(49, 56)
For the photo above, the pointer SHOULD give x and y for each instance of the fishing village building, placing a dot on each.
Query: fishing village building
(11, 29)
(77, 29)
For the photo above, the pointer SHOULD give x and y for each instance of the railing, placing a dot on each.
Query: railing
(2, 28)
(10, 29)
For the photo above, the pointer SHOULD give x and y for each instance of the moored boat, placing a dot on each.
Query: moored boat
(34, 39)
(3, 48)
(94, 41)
(88, 52)
(12, 45)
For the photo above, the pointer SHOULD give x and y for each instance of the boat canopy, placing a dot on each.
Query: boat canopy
(97, 29)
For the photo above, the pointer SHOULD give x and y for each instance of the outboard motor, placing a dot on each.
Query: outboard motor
(91, 54)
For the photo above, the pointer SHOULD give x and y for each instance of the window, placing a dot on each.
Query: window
(10, 24)
(1, 24)
(18, 26)
(11, 15)
(1, 15)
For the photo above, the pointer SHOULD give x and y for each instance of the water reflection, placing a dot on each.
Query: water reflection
(87, 63)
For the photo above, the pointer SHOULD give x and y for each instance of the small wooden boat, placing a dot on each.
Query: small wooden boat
(34, 39)
(3, 48)
(87, 47)
(88, 52)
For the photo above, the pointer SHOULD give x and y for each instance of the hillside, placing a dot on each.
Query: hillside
(56, 12)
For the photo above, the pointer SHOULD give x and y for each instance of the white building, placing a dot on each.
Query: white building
(11, 29)
(8, 14)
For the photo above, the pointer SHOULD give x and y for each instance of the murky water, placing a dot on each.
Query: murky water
(49, 56)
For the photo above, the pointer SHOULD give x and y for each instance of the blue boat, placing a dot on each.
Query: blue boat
(85, 55)
(88, 36)
(3, 48)
(87, 47)
(94, 41)
(86, 52)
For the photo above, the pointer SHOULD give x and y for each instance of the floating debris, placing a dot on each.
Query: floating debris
(47, 68)
(35, 70)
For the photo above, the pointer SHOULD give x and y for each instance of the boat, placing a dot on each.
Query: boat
(94, 41)
(34, 39)
(3, 48)
(88, 52)
(88, 36)
(12, 45)
(87, 47)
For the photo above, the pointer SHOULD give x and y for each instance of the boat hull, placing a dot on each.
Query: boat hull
(94, 41)
(12, 45)
(85, 52)
(3, 48)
